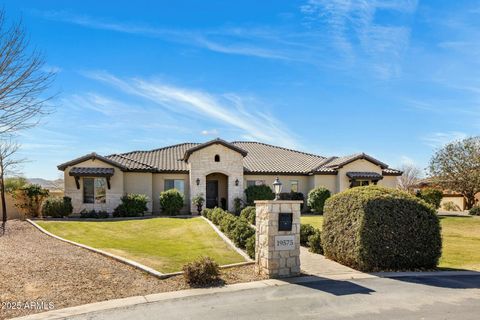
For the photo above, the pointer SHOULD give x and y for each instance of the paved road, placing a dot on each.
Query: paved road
(445, 297)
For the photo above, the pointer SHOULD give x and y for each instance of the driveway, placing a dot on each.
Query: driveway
(426, 297)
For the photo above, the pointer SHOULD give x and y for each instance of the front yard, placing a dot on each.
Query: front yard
(461, 241)
(164, 244)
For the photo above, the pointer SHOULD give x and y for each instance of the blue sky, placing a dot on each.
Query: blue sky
(395, 79)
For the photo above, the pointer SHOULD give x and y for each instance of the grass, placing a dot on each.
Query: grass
(461, 241)
(164, 244)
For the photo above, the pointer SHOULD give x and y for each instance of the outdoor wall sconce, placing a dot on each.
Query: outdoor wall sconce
(198, 181)
(277, 187)
(236, 182)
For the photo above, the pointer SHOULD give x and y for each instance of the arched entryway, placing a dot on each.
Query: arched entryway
(216, 194)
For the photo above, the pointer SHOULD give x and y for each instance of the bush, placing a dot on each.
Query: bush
(92, 214)
(217, 215)
(29, 199)
(241, 232)
(56, 207)
(306, 230)
(227, 223)
(237, 206)
(133, 205)
(201, 272)
(450, 206)
(316, 199)
(431, 196)
(262, 192)
(374, 229)
(250, 247)
(249, 213)
(293, 196)
(171, 201)
(475, 211)
(315, 242)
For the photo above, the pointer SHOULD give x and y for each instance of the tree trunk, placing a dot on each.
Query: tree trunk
(4, 203)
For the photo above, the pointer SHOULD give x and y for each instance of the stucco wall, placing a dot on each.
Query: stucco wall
(343, 182)
(389, 181)
(159, 186)
(328, 181)
(459, 201)
(140, 183)
(303, 181)
(201, 163)
(113, 194)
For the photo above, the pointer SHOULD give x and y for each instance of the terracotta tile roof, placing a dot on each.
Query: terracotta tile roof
(93, 171)
(364, 175)
(258, 158)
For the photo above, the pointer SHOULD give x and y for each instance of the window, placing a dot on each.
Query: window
(217, 158)
(293, 185)
(175, 184)
(359, 183)
(255, 183)
(94, 190)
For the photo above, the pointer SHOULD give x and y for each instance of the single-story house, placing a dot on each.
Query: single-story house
(218, 170)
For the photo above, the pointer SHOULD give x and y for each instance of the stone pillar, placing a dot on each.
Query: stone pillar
(277, 242)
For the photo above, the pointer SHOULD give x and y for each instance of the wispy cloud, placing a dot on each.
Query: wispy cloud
(213, 132)
(439, 139)
(225, 109)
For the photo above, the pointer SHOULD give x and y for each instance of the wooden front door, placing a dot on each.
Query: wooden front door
(212, 194)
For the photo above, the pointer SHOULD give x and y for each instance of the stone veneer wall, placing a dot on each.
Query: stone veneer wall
(269, 261)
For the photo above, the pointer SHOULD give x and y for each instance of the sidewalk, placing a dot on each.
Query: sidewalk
(318, 265)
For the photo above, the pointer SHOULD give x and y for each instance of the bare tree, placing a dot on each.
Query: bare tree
(23, 80)
(409, 178)
(8, 165)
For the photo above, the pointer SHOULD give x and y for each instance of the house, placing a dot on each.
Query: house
(218, 170)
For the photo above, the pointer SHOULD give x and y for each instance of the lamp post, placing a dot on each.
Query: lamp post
(277, 188)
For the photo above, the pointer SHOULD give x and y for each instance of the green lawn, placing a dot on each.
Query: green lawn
(461, 241)
(164, 244)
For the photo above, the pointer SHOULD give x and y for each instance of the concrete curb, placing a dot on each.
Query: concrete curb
(111, 219)
(128, 261)
(228, 241)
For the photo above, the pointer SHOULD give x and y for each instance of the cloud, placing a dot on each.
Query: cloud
(213, 132)
(225, 109)
(439, 139)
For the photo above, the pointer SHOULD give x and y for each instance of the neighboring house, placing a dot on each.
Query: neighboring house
(218, 170)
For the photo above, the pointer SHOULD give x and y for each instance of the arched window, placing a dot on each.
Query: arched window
(217, 158)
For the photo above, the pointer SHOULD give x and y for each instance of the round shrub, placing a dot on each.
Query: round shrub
(248, 213)
(206, 213)
(56, 207)
(241, 232)
(227, 224)
(475, 211)
(316, 199)
(133, 205)
(202, 272)
(217, 215)
(261, 192)
(374, 229)
(171, 201)
(431, 196)
(250, 247)
(306, 230)
(315, 242)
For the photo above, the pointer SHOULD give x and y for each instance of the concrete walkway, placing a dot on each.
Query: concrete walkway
(317, 265)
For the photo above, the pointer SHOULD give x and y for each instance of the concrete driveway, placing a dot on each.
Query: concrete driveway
(424, 297)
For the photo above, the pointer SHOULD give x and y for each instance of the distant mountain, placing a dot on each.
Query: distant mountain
(47, 184)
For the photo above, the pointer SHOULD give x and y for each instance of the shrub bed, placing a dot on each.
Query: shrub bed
(316, 199)
(57, 207)
(374, 229)
(236, 228)
(92, 214)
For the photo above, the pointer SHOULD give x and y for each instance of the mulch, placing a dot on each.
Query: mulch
(37, 268)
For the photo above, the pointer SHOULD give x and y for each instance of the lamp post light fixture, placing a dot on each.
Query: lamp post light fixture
(277, 188)
(198, 181)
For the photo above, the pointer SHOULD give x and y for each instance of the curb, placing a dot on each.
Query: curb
(112, 219)
(131, 263)
(228, 241)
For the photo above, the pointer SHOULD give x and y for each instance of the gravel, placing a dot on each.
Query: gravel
(36, 267)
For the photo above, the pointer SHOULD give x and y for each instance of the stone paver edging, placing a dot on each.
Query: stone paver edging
(228, 241)
(129, 262)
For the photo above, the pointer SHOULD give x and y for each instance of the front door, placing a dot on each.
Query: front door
(212, 194)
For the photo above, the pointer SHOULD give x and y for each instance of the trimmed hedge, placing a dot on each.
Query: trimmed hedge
(57, 207)
(261, 192)
(374, 229)
(316, 199)
(238, 229)
(133, 205)
(431, 196)
(171, 201)
(249, 214)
